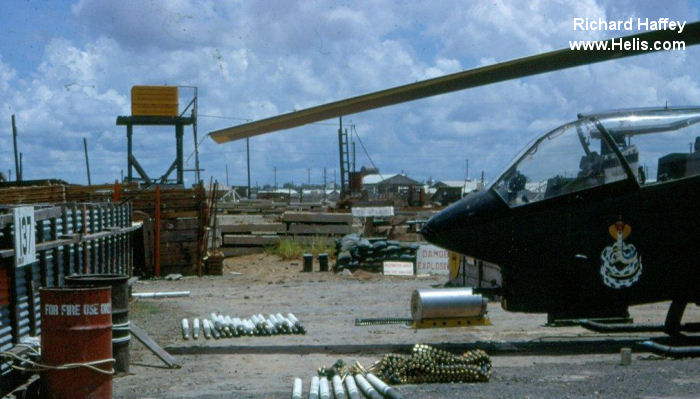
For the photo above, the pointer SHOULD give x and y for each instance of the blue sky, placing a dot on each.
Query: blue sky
(66, 69)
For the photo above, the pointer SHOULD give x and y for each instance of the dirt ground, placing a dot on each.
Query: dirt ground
(530, 360)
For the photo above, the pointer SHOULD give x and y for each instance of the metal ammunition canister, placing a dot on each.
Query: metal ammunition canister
(313, 388)
(185, 329)
(324, 393)
(195, 328)
(366, 387)
(296, 389)
(350, 384)
(338, 389)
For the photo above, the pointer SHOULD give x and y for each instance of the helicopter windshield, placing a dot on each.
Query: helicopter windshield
(661, 145)
(568, 159)
(575, 156)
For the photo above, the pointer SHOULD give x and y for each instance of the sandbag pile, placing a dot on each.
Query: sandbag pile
(356, 251)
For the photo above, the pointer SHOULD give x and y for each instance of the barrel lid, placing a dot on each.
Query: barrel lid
(71, 289)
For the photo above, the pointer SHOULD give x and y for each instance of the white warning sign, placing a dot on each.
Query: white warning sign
(25, 236)
(432, 260)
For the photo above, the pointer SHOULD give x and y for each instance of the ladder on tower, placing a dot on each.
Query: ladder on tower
(344, 152)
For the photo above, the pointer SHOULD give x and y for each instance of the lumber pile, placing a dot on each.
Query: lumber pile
(267, 207)
(181, 228)
(33, 195)
(244, 234)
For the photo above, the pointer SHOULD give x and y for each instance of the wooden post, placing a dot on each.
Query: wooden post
(18, 172)
(156, 253)
(117, 192)
(87, 161)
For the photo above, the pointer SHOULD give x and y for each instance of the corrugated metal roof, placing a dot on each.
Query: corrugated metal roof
(376, 179)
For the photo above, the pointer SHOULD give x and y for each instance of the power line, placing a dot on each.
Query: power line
(365, 150)
(236, 118)
(225, 117)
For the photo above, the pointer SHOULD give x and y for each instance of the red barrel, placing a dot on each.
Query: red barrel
(76, 328)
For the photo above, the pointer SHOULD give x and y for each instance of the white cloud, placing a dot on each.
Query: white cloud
(251, 59)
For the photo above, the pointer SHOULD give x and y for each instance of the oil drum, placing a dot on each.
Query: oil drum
(76, 328)
(120, 312)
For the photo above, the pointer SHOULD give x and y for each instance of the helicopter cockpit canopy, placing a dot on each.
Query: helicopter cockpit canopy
(651, 146)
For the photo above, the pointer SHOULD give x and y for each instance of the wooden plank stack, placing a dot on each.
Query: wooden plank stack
(33, 195)
(268, 207)
(244, 234)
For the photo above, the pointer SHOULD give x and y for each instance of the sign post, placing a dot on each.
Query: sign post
(25, 236)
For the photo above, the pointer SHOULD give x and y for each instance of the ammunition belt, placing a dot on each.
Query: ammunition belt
(427, 364)
(382, 321)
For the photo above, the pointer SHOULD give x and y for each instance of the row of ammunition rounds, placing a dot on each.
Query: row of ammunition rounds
(426, 364)
(224, 326)
(355, 386)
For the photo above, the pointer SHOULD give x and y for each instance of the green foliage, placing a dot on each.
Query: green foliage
(288, 248)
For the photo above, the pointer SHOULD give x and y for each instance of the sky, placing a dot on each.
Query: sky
(67, 67)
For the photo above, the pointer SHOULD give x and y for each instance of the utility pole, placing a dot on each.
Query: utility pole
(324, 182)
(87, 161)
(194, 132)
(466, 173)
(227, 176)
(247, 151)
(275, 169)
(18, 172)
(308, 176)
(353, 158)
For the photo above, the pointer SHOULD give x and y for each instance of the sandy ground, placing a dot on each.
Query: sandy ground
(530, 360)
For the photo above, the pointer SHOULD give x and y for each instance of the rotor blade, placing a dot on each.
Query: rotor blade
(536, 64)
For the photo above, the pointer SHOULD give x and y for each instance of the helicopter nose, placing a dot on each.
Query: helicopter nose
(461, 227)
(428, 231)
(442, 227)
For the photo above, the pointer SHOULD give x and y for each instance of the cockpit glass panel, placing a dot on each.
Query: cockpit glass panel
(569, 159)
(660, 145)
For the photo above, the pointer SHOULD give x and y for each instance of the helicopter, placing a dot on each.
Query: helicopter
(594, 216)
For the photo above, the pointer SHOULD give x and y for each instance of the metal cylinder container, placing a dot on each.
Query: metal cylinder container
(76, 328)
(185, 329)
(323, 262)
(323, 388)
(121, 335)
(366, 387)
(308, 262)
(195, 328)
(338, 389)
(446, 303)
(296, 389)
(353, 393)
(313, 387)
